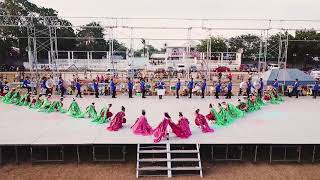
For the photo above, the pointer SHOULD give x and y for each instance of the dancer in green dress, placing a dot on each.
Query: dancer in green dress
(14, 98)
(6, 99)
(74, 110)
(36, 103)
(45, 104)
(104, 115)
(233, 111)
(24, 100)
(90, 111)
(224, 114)
(216, 117)
(56, 106)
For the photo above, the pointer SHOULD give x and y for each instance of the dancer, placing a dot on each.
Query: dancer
(178, 87)
(143, 88)
(249, 86)
(260, 90)
(251, 104)
(242, 105)
(26, 84)
(233, 110)
(36, 103)
(161, 88)
(315, 89)
(130, 87)
(96, 88)
(44, 86)
(203, 87)
(61, 87)
(141, 126)
(74, 109)
(45, 104)
(224, 115)
(104, 115)
(210, 116)
(118, 120)
(216, 116)
(113, 88)
(190, 87)
(275, 85)
(182, 129)
(90, 111)
(259, 100)
(14, 98)
(201, 121)
(6, 99)
(56, 106)
(24, 100)
(218, 89)
(229, 93)
(295, 88)
(161, 130)
(78, 87)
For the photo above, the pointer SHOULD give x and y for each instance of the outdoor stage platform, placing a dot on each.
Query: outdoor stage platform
(296, 121)
(284, 132)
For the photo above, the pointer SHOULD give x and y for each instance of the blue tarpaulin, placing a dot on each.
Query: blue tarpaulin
(287, 77)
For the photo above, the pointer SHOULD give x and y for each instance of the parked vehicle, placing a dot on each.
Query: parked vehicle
(315, 73)
(181, 68)
(222, 69)
(133, 72)
(273, 66)
(160, 70)
(193, 68)
(112, 72)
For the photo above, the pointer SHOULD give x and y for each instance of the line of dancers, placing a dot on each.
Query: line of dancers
(225, 114)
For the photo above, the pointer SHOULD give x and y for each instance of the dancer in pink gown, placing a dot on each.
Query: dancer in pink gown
(161, 130)
(201, 121)
(141, 126)
(182, 129)
(117, 121)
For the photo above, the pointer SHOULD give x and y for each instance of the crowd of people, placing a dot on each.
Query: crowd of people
(224, 114)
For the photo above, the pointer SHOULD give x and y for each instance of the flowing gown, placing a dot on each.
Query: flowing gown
(161, 130)
(182, 129)
(90, 112)
(103, 116)
(201, 121)
(117, 121)
(74, 110)
(56, 106)
(142, 127)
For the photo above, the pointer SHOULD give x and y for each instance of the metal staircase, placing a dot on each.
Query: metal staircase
(168, 160)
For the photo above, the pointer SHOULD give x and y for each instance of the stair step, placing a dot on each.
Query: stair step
(165, 160)
(159, 168)
(153, 160)
(196, 168)
(152, 151)
(185, 160)
(184, 151)
(153, 168)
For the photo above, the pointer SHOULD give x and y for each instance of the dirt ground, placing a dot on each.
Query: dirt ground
(235, 171)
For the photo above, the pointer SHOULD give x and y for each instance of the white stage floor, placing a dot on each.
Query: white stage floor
(296, 121)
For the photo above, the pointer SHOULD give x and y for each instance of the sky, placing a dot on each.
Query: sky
(203, 9)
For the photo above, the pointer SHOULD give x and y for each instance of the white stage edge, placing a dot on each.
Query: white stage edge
(296, 121)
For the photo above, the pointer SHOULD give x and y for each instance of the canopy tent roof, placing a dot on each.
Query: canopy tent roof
(287, 77)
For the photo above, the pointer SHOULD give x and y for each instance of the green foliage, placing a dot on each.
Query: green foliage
(217, 45)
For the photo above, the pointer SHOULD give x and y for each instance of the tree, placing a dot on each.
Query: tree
(304, 51)
(217, 45)
(248, 43)
(92, 38)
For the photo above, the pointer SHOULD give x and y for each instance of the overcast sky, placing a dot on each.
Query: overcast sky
(266, 9)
